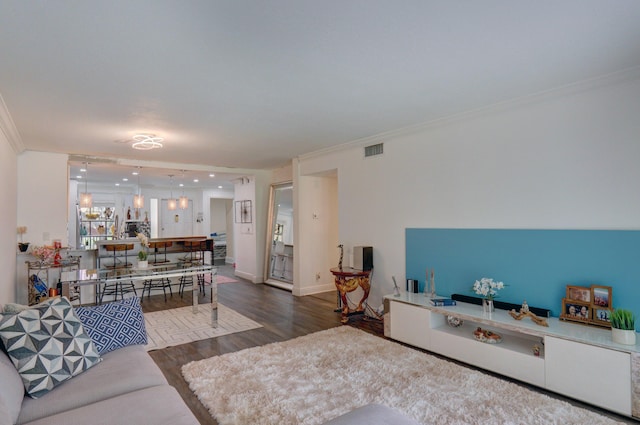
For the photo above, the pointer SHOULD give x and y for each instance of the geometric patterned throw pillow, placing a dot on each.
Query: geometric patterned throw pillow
(114, 325)
(48, 345)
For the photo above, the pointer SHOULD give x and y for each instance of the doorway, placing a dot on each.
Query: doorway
(279, 252)
(175, 223)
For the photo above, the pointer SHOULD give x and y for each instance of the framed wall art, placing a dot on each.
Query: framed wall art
(243, 212)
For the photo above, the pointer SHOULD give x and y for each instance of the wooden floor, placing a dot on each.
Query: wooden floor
(283, 317)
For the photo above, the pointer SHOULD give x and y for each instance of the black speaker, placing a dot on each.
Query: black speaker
(362, 257)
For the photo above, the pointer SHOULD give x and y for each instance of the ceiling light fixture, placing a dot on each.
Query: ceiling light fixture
(86, 200)
(138, 199)
(145, 142)
(184, 201)
(171, 203)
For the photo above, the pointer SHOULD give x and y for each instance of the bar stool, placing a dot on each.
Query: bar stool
(160, 245)
(119, 269)
(195, 257)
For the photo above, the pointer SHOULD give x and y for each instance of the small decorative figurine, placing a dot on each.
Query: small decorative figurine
(524, 312)
(536, 350)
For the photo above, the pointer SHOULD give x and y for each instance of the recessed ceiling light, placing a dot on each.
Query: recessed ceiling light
(135, 173)
(145, 142)
(181, 185)
(124, 179)
(117, 184)
(83, 170)
(212, 175)
(78, 177)
(219, 187)
(196, 180)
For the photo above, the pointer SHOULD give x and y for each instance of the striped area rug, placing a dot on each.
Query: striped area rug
(177, 326)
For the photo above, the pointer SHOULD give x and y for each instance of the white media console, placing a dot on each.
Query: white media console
(575, 360)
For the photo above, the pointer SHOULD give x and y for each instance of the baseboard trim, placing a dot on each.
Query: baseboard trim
(248, 276)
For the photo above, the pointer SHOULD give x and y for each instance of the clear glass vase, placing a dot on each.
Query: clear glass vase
(487, 306)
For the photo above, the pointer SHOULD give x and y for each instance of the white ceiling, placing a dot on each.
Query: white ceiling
(252, 84)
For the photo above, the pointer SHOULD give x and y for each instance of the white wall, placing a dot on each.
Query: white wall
(563, 160)
(8, 220)
(316, 236)
(250, 238)
(43, 183)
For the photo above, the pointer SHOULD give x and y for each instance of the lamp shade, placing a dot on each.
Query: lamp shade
(172, 204)
(184, 202)
(138, 201)
(86, 200)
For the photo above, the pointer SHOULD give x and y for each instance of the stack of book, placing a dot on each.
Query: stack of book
(442, 302)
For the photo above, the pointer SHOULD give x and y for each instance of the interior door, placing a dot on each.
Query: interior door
(176, 223)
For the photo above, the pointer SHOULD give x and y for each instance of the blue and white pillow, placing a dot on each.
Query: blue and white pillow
(114, 325)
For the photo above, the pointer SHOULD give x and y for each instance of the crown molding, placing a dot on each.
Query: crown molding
(613, 78)
(8, 128)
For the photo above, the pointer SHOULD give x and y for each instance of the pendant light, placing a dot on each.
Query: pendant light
(184, 201)
(138, 199)
(172, 203)
(86, 200)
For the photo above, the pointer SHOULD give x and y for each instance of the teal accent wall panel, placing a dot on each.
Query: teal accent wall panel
(535, 264)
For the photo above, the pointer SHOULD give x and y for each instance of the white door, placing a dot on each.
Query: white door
(175, 223)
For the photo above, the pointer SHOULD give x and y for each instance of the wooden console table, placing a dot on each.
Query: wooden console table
(348, 279)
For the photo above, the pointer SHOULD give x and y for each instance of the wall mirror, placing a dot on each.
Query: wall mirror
(279, 252)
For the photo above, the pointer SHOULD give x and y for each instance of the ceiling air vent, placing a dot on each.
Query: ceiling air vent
(373, 150)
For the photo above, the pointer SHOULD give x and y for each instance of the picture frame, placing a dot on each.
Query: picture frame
(588, 304)
(243, 211)
(601, 296)
(579, 293)
(246, 212)
(576, 311)
(601, 316)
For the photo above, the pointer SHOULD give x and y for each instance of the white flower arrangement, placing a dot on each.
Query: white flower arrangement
(144, 243)
(487, 287)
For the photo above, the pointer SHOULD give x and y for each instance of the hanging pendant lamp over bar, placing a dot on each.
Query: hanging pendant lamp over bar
(172, 203)
(86, 200)
(138, 199)
(184, 201)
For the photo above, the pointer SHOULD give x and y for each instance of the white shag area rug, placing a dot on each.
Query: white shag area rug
(177, 326)
(311, 379)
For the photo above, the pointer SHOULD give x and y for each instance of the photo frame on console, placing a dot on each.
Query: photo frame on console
(588, 304)
(579, 293)
(576, 311)
(601, 296)
(601, 316)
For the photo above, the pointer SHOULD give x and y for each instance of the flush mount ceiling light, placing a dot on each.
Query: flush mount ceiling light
(145, 142)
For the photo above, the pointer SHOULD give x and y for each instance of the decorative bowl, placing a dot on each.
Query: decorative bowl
(487, 336)
(454, 322)
(92, 216)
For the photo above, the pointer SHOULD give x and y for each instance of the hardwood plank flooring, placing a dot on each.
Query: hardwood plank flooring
(283, 317)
